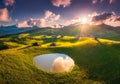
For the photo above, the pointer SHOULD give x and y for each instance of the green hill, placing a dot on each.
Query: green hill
(95, 50)
(101, 31)
(97, 60)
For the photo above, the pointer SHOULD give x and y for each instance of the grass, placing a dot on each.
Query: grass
(96, 63)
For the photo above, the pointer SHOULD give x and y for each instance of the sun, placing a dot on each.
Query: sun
(84, 20)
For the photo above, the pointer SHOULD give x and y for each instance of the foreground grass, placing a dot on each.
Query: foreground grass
(96, 62)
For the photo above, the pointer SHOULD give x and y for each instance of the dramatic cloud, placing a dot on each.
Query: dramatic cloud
(106, 18)
(36, 22)
(109, 18)
(40, 23)
(102, 17)
(4, 15)
(51, 16)
(61, 65)
(48, 14)
(49, 19)
(31, 23)
(57, 17)
(9, 2)
(117, 19)
(23, 24)
(59, 3)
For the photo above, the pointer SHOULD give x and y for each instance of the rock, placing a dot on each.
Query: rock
(53, 44)
(96, 38)
(35, 44)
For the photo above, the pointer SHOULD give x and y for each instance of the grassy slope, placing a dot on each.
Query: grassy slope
(94, 61)
(101, 31)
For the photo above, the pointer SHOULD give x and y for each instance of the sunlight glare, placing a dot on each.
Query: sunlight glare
(84, 20)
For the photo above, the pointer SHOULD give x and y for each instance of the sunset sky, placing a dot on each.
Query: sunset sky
(44, 13)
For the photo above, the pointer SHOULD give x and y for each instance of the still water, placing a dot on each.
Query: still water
(54, 62)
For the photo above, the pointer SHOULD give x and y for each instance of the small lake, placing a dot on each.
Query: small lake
(54, 62)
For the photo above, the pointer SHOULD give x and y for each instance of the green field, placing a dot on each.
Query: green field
(96, 61)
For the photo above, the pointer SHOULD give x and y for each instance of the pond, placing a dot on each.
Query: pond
(54, 62)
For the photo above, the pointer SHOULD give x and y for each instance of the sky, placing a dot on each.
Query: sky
(42, 13)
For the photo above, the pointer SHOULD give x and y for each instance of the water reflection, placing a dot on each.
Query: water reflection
(54, 62)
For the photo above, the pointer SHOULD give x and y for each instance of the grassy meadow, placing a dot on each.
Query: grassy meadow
(96, 61)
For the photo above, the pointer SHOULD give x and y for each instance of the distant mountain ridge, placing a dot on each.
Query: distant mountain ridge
(11, 30)
(98, 30)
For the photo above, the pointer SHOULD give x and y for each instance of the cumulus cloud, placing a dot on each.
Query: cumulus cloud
(51, 16)
(57, 17)
(59, 3)
(48, 14)
(31, 23)
(61, 65)
(102, 17)
(109, 18)
(49, 19)
(9, 2)
(106, 18)
(117, 18)
(23, 24)
(4, 15)
(40, 23)
(54, 18)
